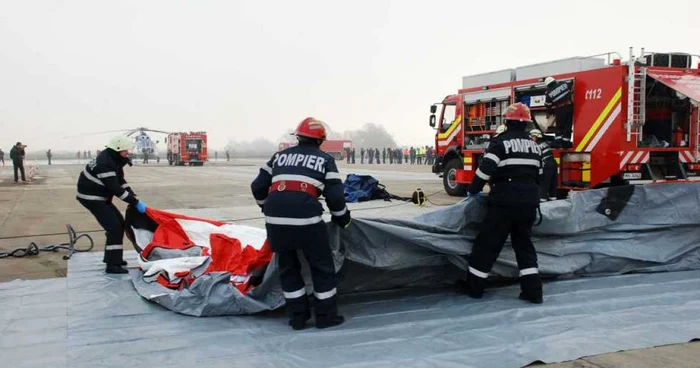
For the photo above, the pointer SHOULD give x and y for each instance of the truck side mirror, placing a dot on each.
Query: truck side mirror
(433, 109)
(432, 121)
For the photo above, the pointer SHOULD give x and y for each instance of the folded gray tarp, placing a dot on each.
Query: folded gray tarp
(651, 228)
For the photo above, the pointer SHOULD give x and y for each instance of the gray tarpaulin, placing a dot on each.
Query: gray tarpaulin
(91, 319)
(653, 230)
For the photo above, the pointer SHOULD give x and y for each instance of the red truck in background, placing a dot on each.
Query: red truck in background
(337, 148)
(187, 148)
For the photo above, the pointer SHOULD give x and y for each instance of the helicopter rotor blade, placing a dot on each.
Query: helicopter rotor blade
(91, 134)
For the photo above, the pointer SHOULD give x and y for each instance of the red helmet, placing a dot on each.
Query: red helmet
(311, 128)
(518, 112)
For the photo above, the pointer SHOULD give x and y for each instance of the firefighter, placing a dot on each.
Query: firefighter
(287, 189)
(100, 181)
(559, 102)
(511, 166)
(548, 180)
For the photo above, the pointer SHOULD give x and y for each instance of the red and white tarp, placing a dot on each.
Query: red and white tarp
(178, 249)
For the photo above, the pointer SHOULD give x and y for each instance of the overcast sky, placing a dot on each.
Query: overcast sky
(246, 69)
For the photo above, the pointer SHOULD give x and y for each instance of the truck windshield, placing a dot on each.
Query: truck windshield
(448, 116)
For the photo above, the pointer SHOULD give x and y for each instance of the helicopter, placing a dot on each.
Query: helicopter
(144, 146)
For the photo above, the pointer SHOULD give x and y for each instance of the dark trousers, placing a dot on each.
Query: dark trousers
(112, 221)
(548, 183)
(498, 223)
(312, 241)
(564, 116)
(19, 166)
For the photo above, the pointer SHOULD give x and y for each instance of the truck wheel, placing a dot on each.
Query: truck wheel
(448, 178)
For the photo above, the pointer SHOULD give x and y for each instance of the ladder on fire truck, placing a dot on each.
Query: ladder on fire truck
(636, 97)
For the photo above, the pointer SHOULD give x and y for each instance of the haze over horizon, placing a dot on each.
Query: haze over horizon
(245, 70)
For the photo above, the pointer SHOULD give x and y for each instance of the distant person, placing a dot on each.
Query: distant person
(353, 155)
(17, 157)
(362, 155)
(228, 156)
(376, 152)
(390, 154)
(101, 181)
(405, 155)
(347, 155)
(48, 156)
(145, 155)
(370, 155)
(412, 153)
(2, 156)
(383, 155)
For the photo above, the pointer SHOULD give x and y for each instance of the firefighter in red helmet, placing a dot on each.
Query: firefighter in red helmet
(511, 165)
(287, 189)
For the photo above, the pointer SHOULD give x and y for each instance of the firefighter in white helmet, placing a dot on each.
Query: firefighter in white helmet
(101, 181)
(548, 179)
(559, 102)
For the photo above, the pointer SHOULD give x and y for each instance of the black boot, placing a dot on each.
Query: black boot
(299, 312)
(531, 288)
(531, 297)
(116, 269)
(326, 311)
(122, 263)
(325, 321)
(473, 286)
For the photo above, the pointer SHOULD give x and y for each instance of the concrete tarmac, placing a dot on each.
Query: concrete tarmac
(221, 190)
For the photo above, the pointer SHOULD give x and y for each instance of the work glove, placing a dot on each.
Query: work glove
(342, 221)
(141, 207)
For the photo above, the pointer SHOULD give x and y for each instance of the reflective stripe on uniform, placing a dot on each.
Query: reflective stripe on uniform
(341, 212)
(478, 273)
(106, 174)
(125, 185)
(124, 195)
(492, 157)
(267, 169)
(529, 271)
(332, 175)
(301, 178)
(292, 221)
(481, 174)
(90, 197)
(93, 179)
(294, 294)
(519, 161)
(114, 247)
(325, 295)
(260, 202)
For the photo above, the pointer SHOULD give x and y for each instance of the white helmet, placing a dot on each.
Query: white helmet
(536, 133)
(549, 80)
(501, 129)
(121, 143)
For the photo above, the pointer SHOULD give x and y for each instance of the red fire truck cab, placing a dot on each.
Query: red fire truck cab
(187, 148)
(634, 122)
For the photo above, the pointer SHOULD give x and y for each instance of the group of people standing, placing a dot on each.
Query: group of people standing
(407, 155)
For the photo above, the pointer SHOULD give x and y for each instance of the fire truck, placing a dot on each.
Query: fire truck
(187, 148)
(634, 122)
(337, 148)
